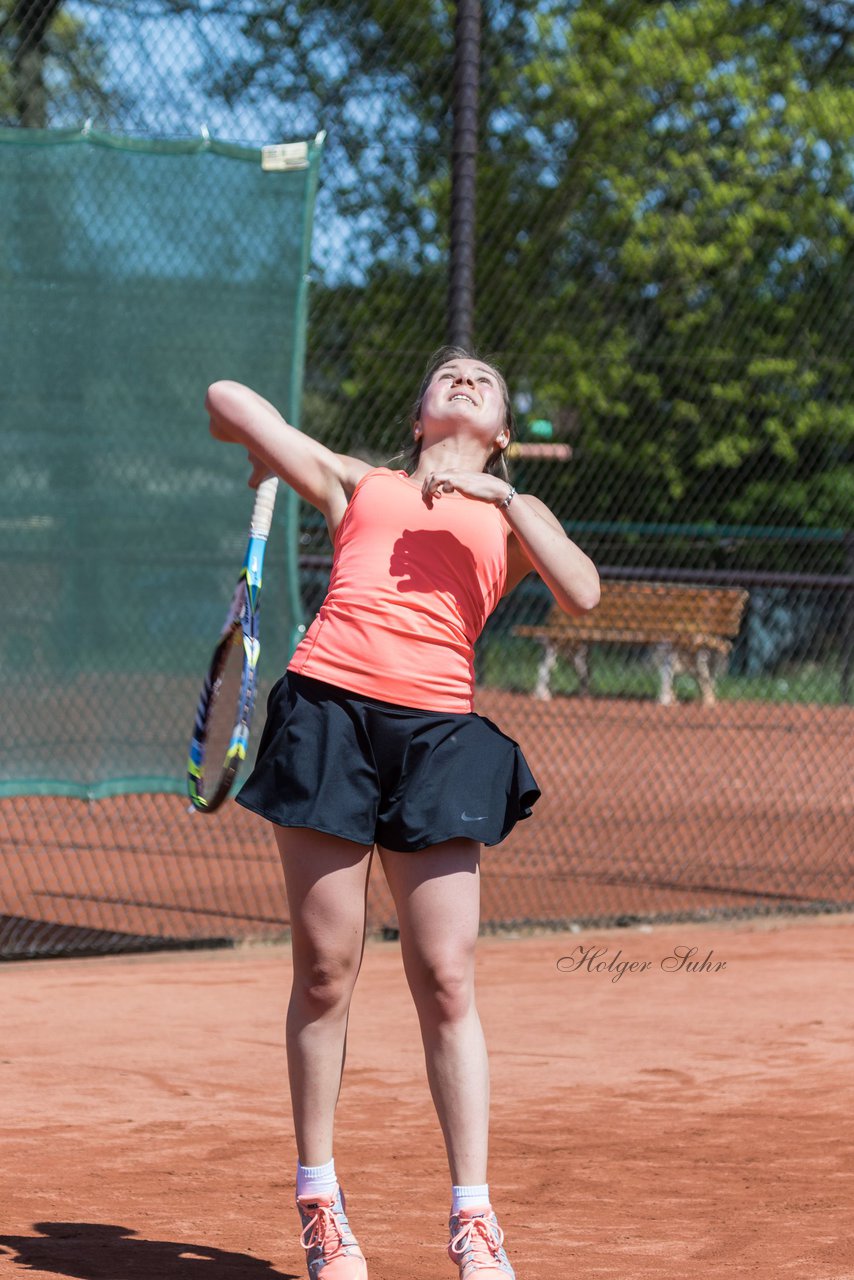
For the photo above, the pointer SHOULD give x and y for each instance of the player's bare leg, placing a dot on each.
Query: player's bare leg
(437, 895)
(327, 883)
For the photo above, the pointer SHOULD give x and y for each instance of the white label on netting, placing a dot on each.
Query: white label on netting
(285, 155)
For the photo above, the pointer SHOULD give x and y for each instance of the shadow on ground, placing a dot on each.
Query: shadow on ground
(98, 1251)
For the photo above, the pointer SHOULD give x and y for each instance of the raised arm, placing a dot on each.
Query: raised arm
(325, 479)
(541, 544)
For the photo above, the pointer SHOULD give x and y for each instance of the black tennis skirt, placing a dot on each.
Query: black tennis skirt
(376, 773)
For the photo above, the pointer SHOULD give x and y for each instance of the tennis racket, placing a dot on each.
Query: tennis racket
(224, 714)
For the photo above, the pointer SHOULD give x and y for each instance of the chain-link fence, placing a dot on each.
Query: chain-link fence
(664, 273)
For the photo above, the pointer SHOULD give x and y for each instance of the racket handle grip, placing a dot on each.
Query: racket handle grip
(262, 512)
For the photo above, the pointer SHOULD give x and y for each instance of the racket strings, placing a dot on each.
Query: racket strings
(224, 715)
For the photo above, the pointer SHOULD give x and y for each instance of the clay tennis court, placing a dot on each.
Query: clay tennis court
(669, 1124)
(647, 811)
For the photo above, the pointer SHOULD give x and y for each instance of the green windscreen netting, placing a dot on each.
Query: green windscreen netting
(131, 276)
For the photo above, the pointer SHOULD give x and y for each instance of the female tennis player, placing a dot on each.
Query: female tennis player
(371, 743)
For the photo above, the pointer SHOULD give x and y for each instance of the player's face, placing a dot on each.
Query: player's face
(468, 395)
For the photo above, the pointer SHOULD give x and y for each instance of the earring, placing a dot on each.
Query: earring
(417, 433)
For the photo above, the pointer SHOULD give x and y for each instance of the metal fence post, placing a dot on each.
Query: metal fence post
(464, 173)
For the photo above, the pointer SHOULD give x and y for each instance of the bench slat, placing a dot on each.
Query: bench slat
(679, 636)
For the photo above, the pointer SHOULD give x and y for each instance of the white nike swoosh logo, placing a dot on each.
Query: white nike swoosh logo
(466, 818)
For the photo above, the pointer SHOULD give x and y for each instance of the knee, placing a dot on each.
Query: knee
(325, 985)
(445, 990)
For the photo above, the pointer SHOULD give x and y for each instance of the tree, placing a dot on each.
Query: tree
(697, 235)
(49, 64)
(664, 225)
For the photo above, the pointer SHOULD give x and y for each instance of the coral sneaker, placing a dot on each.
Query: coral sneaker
(476, 1245)
(331, 1249)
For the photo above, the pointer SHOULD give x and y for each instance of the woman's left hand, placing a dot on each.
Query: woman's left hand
(479, 485)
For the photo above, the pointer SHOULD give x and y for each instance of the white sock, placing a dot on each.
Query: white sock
(468, 1197)
(316, 1180)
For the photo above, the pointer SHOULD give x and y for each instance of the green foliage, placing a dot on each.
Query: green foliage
(51, 67)
(664, 231)
(697, 272)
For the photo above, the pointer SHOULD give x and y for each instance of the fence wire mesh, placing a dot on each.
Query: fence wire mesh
(664, 274)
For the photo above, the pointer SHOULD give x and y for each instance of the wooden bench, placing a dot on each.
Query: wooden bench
(687, 625)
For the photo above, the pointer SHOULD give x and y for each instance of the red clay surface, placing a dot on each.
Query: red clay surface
(667, 1125)
(646, 810)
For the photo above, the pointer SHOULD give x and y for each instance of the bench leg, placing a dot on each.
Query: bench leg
(704, 677)
(582, 670)
(544, 672)
(664, 656)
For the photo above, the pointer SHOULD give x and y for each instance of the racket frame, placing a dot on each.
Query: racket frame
(243, 615)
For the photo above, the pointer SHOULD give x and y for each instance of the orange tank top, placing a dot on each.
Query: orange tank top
(411, 589)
